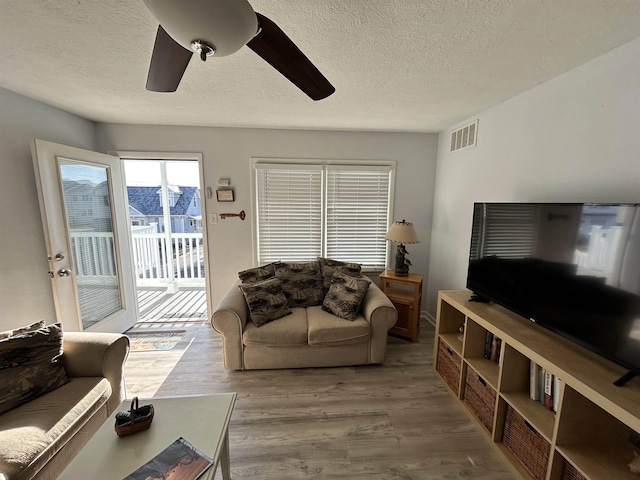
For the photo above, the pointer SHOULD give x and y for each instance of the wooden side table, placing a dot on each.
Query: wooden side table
(406, 295)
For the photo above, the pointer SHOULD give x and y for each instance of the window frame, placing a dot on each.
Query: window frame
(324, 164)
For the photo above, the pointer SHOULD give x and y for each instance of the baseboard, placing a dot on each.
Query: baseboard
(424, 315)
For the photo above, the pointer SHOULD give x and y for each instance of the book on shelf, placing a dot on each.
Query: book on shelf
(179, 460)
(540, 394)
(534, 378)
(557, 387)
(495, 349)
(548, 390)
(488, 344)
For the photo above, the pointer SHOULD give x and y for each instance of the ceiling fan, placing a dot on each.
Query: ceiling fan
(222, 27)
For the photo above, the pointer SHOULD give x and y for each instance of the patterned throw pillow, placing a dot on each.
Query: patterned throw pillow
(345, 296)
(257, 274)
(25, 329)
(328, 267)
(30, 365)
(301, 283)
(266, 301)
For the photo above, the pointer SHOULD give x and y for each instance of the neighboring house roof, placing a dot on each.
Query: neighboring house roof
(134, 212)
(147, 201)
(171, 189)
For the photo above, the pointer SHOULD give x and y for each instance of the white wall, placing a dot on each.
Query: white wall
(574, 138)
(25, 288)
(227, 153)
(571, 139)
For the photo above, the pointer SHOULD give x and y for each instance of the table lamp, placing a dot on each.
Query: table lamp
(402, 232)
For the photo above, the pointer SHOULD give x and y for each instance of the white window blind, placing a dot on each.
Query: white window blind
(336, 211)
(357, 214)
(289, 217)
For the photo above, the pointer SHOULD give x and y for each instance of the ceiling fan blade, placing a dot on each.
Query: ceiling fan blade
(273, 45)
(168, 63)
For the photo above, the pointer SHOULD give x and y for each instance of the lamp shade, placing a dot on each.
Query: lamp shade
(402, 232)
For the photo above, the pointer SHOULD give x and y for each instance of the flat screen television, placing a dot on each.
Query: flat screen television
(573, 268)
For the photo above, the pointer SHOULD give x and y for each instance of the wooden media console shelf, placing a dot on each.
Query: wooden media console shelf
(589, 435)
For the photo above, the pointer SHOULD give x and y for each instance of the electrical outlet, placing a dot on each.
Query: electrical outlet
(213, 218)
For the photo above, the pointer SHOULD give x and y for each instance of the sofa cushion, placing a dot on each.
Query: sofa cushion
(266, 301)
(301, 282)
(326, 329)
(20, 330)
(289, 330)
(345, 295)
(328, 267)
(257, 274)
(30, 365)
(31, 434)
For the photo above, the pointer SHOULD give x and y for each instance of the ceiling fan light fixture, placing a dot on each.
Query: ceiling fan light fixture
(203, 49)
(224, 27)
(226, 24)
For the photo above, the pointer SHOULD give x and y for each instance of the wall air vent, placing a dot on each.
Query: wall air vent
(464, 137)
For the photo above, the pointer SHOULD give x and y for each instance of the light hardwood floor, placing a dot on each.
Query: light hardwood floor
(393, 422)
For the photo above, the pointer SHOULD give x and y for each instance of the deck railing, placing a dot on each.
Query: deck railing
(151, 253)
(93, 257)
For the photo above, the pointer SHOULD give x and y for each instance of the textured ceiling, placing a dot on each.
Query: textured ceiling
(397, 65)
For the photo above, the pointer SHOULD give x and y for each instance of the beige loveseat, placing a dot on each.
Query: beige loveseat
(39, 438)
(308, 337)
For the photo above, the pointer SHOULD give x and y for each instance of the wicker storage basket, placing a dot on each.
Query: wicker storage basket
(448, 365)
(480, 398)
(569, 472)
(138, 418)
(526, 444)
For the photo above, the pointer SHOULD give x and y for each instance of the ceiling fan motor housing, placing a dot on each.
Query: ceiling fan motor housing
(224, 25)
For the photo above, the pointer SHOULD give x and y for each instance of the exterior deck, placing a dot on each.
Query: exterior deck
(156, 305)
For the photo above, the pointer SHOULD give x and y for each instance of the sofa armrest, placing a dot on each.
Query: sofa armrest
(378, 310)
(376, 307)
(92, 354)
(229, 319)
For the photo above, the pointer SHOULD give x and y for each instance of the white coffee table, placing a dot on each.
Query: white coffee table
(203, 421)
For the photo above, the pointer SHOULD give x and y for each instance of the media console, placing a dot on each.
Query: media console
(589, 435)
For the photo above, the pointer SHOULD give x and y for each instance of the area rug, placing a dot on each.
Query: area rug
(154, 341)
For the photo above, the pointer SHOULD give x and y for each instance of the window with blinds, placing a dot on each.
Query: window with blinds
(357, 215)
(506, 230)
(289, 216)
(335, 211)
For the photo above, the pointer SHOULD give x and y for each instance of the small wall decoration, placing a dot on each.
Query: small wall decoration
(224, 195)
(242, 215)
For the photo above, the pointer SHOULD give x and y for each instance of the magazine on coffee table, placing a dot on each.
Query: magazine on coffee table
(179, 460)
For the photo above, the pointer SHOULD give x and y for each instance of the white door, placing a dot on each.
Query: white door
(83, 207)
